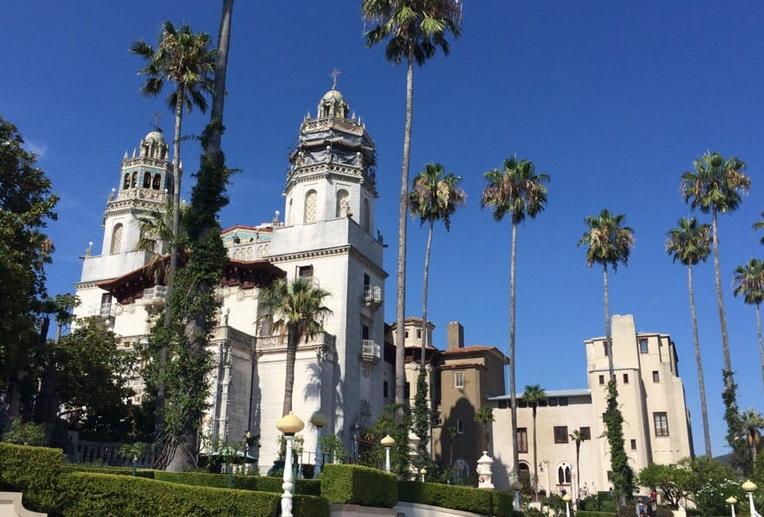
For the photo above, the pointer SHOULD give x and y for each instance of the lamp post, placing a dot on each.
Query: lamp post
(732, 501)
(318, 420)
(422, 474)
(387, 442)
(567, 498)
(289, 425)
(749, 487)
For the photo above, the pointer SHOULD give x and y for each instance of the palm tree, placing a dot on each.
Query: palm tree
(752, 422)
(518, 191)
(185, 59)
(214, 146)
(749, 281)
(532, 395)
(609, 243)
(578, 437)
(716, 186)
(414, 31)
(690, 244)
(298, 310)
(759, 225)
(484, 416)
(435, 197)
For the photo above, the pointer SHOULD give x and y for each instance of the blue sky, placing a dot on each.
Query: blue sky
(613, 99)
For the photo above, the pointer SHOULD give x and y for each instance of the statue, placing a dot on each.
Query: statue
(484, 471)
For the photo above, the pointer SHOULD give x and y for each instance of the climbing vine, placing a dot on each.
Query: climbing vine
(622, 474)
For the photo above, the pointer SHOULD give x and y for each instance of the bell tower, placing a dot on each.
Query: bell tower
(332, 168)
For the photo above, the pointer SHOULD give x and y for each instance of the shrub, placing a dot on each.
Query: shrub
(123, 471)
(108, 494)
(33, 471)
(356, 484)
(310, 506)
(25, 433)
(469, 499)
(261, 484)
(586, 513)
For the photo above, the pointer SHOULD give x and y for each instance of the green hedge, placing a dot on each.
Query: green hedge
(468, 499)
(33, 471)
(309, 506)
(85, 494)
(585, 513)
(262, 484)
(124, 471)
(354, 484)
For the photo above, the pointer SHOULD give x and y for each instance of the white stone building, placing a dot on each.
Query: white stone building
(328, 235)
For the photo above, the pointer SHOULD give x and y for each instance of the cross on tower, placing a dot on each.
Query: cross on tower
(334, 74)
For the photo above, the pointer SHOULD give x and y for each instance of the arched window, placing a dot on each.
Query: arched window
(134, 181)
(116, 240)
(343, 203)
(366, 216)
(146, 179)
(309, 213)
(563, 474)
(126, 183)
(157, 181)
(524, 473)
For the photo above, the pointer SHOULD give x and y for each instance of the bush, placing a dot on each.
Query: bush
(262, 484)
(33, 471)
(25, 433)
(586, 513)
(355, 484)
(108, 494)
(310, 506)
(123, 471)
(469, 499)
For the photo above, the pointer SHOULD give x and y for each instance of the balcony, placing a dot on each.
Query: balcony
(277, 343)
(372, 296)
(156, 294)
(370, 351)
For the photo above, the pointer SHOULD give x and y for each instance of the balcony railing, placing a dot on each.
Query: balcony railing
(107, 310)
(249, 251)
(158, 292)
(370, 351)
(372, 294)
(278, 343)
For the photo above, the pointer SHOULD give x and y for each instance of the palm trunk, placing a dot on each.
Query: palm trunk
(761, 342)
(578, 470)
(425, 286)
(221, 67)
(699, 362)
(400, 309)
(608, 341)
(512, 356)
(291, 355)
(535, 455)
(719, 297)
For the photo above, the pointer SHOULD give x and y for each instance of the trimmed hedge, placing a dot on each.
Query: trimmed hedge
(123, 471)
(262, 484)
(468, 499)
(585, 513)
(355, 484)
(86, 494)
(310, 506)
(34, 471)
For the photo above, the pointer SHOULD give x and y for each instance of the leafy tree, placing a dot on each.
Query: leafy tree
(671, 481)
(716, 185)
(609, 243)
(388, 423)
(533, 395)
(690, 243)
(413, 32)
(26, 206)
(484, 417)
(749, 282)
(578, 438)
(298, 310)
(518, 191)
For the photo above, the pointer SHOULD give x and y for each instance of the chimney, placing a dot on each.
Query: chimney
(455, 335)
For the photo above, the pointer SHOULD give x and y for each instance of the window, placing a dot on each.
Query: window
(146, 179)
(384, 389)
(116, 240)
(364, 332)
(643, 348)
(309, 212)
(633, 445)
(656, 376)
(626, 378)
(157, 183)
(105, 304)
(563, 474)
(126, 183)
(459, 380)
(561, 434)
(660, 419)
(406, 334)
(604, 348)
(366, 281)
(553, 401)
(460, 426)
(343, 204)
(522, 439)
(419, 333)
(602, 380)
(586, 433)
(563, 401)
(134, 180)
(366, 216)
(305, 271)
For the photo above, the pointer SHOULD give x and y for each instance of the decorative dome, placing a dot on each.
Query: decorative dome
(333, 104)
(332, 94)
(154, 136)
(153, 145)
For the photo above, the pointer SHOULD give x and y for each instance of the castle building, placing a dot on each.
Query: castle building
(327, 236)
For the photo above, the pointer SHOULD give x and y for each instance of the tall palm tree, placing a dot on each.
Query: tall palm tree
(435, 197)
(759, 225)
(413, 31)
(484, 416)
(609, 243)
(533, 395)
(298, 310)
(690, 243)
(184, 58)
(749, 282)
(214, 146)
(752, 423)
(578, 438)
(716, 186)
(516, 190)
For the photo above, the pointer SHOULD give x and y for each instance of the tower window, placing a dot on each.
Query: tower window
(602, 380)
(561, 434)
(660, 420)
(157, 182)
(146, 179)
(605, 348)
(643, 346)
(626, 378)
(656, 376)
(459, 380)
(366, 216)
(522, 439)
(134, 180)
(586, 433)
(309, 214)
(116, 240)
(419, 333)
(126, 183)
(342, 208)
(633, 444)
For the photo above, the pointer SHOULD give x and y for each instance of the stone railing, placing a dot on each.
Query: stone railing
(278, 343)
(249, 251)
(226, 333)
(142, 193)
(344, 123)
